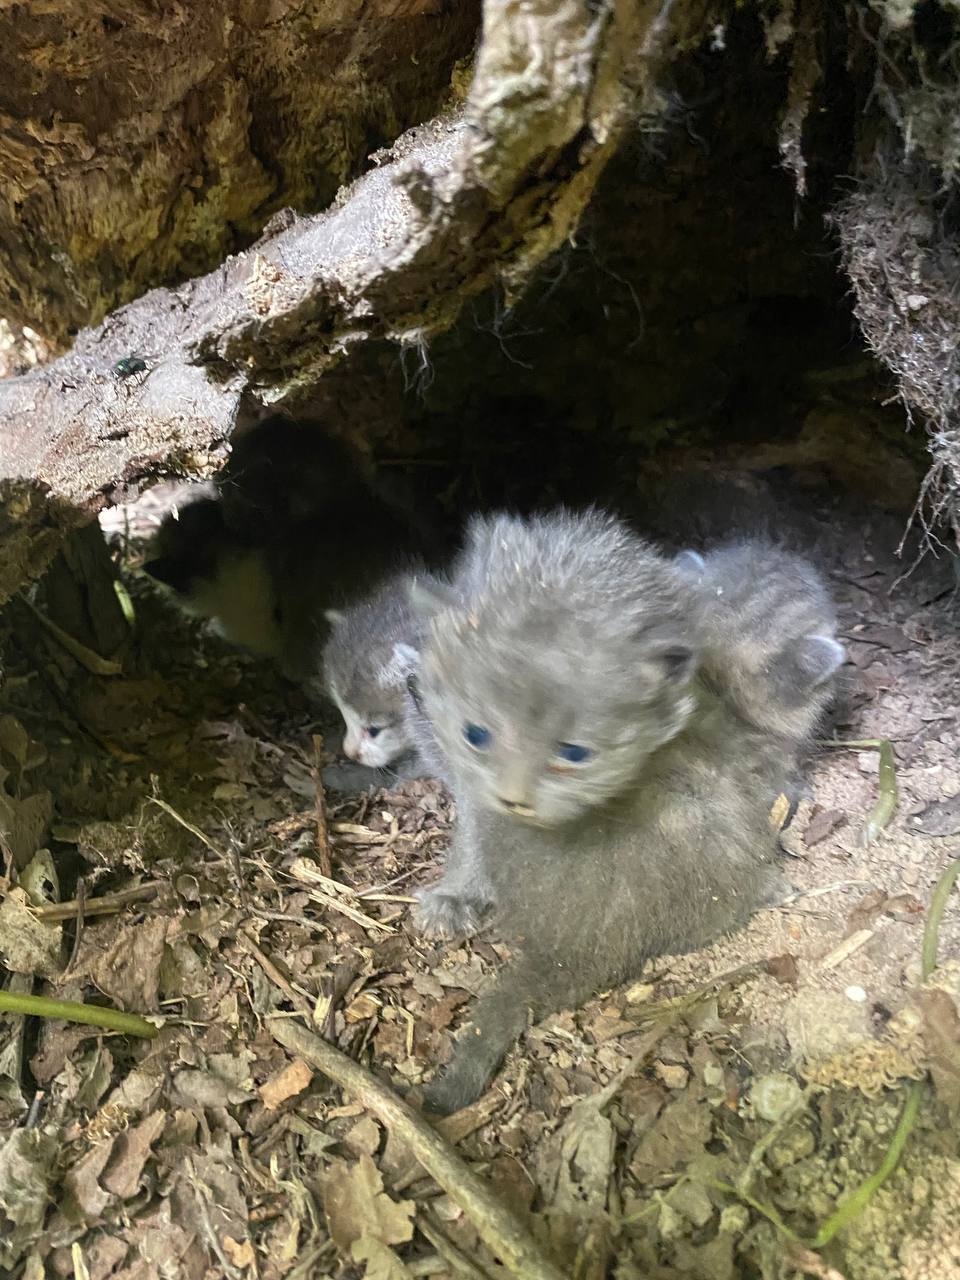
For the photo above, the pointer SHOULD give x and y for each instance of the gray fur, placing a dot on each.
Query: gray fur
(768, 634)
(370, 657)
(569, 629)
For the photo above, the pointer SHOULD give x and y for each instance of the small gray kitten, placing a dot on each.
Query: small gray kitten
(612, 805)
(370, 670)
(767, 634)
(370, 656)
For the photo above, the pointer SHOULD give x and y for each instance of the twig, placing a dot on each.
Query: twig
(188, 826)
(103, 906)
(33, 1115)
(454, 1128)
(86, 657)
(494, 1223)
(93, 1015)
(78, 934)
(448, 1251)
(678, 1005)
(274, 974)
(323, 833)
(202, 1193)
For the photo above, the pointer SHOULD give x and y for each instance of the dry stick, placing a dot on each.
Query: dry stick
(103, 906)
(323, 833)
(274, 974)
(495, 1224)
(448, 1251)
(81, 901)
(86, 657)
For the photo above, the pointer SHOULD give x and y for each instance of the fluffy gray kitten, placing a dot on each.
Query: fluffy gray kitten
(612, 805)
(370, 662)
(767, 634)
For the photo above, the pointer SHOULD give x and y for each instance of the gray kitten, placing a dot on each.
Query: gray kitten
(767, 634)
(370, 669)
(369, 658)
(612, 806)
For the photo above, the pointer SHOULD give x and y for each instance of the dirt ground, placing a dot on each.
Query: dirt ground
(643, 1136)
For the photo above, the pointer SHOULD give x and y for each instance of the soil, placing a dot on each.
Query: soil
(619, 1131)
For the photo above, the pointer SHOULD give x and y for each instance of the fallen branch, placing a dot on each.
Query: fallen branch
(495, 1224)
(457, 206)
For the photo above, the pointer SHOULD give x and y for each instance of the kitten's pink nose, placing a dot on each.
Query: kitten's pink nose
(351, 749)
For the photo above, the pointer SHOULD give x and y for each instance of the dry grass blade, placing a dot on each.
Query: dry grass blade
(96, 665)
(323, 831)
(494, 1223)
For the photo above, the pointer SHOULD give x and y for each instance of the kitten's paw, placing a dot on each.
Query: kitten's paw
(446, 915)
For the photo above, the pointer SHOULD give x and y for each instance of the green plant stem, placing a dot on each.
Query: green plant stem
(857, 1201)
(931, 931)
(93, 1015)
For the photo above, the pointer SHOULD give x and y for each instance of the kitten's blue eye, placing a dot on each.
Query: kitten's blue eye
(573, 753)
(374, 730)
(477, 736)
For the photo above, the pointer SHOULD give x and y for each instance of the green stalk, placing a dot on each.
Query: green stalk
(93, 1015)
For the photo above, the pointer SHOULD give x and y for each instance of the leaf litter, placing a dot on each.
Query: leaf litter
(214, 1150)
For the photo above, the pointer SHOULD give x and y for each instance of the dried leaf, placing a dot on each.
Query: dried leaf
(780, 812)
(382, 1262)
(364, 1136)
(24, 824)
(26, 945)
(127, 969)
(27, 1160)
(681, 1133)
(941, 818)
(866, 912)
(293, 1079)
(357, 1205)
(240, 1252)
(784, 969)
(941, 1035)
(129, 1155)
(823, 824)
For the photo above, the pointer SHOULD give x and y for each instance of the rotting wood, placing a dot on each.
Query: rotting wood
(457, 205)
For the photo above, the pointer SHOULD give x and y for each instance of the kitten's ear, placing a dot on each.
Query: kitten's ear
(334, 616)
(404, 662)
(673, 663)
(690, 562)
(407, 655)
(429, 597)
(805, 665)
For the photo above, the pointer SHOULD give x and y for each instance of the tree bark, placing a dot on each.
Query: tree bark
(478, 197)
(142, 143)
